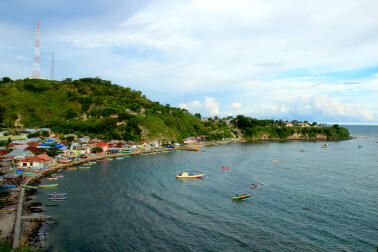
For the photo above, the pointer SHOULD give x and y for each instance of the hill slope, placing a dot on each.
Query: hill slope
(98, 108)
(94, 107)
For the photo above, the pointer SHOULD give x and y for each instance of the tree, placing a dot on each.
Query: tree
(96, 149)
(198, 115)
(53, 151)
(6, 80)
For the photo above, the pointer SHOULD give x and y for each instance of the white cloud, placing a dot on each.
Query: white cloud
(236, 105)
(183, 106)
(313, 108)
(250, 51)
(212, 106)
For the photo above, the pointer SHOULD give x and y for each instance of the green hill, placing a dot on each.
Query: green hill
(94, 107)
(98, 108)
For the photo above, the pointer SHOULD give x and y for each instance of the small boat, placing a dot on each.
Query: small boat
(253, 186)
(9, 191)
(8, 186)
(306, 208)
(7, 210)
(47, 186)
(72, 168)
(50, 205)
(224, 168)
(57, 199)
(190, 175)
(120, 158)
(240, 196)
(29, 187)
(57, 194)
(324, 147)
(275, 160)
(59, 176)
(52, 178)
(84, 167)
(301, 150)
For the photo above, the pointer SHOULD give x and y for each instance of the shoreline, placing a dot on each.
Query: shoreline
(18, 232)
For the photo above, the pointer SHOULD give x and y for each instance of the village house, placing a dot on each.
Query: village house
(303, 124)
(190, 140)
(36, 162)
(104, 146)
(19, 154)
(288, 124)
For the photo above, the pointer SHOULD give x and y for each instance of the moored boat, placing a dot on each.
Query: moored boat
(253, 186)
(224, 168)
(50, 205)
(46, 186)
(57, 194)
(190, 175)
(84, 167)
(240, 196)
(57, 199)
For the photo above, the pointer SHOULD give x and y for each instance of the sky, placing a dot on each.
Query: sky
(312, 60)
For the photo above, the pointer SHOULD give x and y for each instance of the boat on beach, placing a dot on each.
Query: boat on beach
(7, 210)
(47, 186)
(241, 196)
(191, 174)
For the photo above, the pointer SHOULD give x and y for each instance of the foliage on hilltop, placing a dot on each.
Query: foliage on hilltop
(254, 128)
(94, 107)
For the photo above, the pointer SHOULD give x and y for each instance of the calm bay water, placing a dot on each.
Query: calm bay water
(137, 204)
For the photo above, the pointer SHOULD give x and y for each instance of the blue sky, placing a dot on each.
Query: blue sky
(287, 59)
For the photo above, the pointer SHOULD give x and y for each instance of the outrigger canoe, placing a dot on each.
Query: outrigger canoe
(46, 186)
(241, 196)
(190, 175)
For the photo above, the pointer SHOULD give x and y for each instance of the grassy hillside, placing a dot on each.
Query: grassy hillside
(94, 107)
(98, 108)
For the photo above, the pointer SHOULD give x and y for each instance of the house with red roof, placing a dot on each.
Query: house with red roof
(39, 161)
(104, 146)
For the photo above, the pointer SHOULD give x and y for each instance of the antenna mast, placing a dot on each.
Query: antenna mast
(36, 65)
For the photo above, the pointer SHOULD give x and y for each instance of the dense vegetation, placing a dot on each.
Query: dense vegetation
(253, 128)
(97, 108)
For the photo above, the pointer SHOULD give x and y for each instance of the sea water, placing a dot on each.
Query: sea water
(137, 204)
